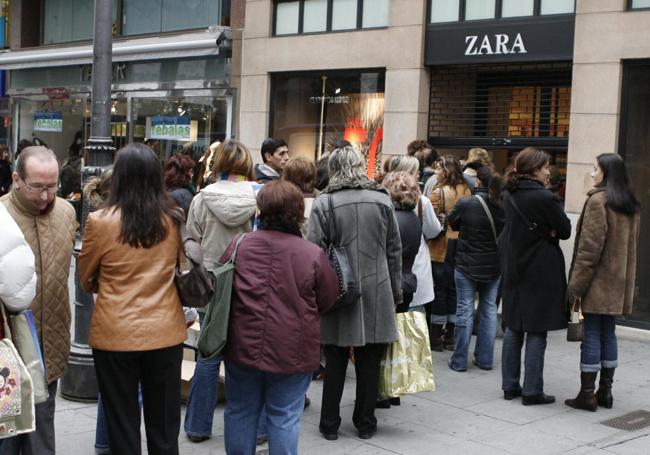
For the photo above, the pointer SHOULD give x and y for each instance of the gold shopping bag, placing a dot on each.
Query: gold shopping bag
(407, 366)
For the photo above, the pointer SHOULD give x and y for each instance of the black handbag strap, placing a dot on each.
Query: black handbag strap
(532, 226)
(331, 221)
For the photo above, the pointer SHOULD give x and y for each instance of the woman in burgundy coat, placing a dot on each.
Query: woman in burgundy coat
(282, 284)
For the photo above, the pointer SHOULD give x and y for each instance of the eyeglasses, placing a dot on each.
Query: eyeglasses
(42, 189)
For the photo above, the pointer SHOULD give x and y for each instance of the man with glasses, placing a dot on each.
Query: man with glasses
(49, 225)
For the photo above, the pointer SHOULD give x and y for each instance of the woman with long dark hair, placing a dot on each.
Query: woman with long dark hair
(603, 274)
(179, 170)
(533, 274)
(479, 221)
(128, 258)
(451, 187)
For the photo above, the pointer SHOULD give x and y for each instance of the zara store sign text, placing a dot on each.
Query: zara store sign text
(496, 44)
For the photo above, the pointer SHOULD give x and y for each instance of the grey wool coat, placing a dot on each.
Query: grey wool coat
(603, 270)
(366, 226)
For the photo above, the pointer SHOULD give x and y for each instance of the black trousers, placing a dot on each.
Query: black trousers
(366, 366)
(159, 373)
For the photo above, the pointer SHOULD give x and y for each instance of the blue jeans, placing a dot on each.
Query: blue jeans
(534, 361)
(466, 289)
(202, 400)
(599, 343)
(247, 392)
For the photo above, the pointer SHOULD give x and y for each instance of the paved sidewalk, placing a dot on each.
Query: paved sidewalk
(465, 415)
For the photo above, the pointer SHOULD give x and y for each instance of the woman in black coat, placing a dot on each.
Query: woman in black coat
(533, 271)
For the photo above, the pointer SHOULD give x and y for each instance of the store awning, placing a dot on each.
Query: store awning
(174, 46)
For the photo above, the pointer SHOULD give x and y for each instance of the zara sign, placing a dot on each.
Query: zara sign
(526, 40)
(495, 44)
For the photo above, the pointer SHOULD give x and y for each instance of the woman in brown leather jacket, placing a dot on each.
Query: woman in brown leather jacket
(128, 258)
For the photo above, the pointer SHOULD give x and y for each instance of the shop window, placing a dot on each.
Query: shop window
(313, 16)
(479, 9)
(444, 10)
(501, 105)
(351, 109)
(517, 8)
(151, 16)
(67, 20)
(639, 4)
(557, 6)
(315, 19)
(634, 145)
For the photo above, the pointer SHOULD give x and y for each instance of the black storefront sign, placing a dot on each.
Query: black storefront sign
(531, 40)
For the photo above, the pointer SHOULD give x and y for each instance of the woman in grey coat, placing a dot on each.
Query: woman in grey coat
(366, 226)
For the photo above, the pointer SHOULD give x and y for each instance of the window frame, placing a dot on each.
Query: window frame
(328, 27)
(498, 8)
(629, 6)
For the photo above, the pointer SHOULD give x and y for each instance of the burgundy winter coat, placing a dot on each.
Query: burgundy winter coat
(282, 284)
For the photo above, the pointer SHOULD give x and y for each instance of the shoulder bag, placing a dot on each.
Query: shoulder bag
(17, 413)
(194, 285)
(576, 327)
(489, 215)
(214, 329)
(532, 226)
(349, 291)
(442, 215)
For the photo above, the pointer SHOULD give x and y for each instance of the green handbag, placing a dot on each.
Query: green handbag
(214, 330)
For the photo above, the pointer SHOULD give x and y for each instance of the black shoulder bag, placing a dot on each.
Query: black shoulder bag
(194, 286)
(532, 226)
(349, 292)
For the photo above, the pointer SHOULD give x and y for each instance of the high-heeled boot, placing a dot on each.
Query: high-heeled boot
(604, 394)
(435, 337)
(586, 399)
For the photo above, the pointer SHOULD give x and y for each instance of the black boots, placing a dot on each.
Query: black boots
(604, 394)
(435, 337)
(586, 399)
(448, 341)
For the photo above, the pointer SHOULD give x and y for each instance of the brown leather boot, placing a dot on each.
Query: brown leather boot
(448, 340)
(435, 337)
(586, 399)
(604, 394)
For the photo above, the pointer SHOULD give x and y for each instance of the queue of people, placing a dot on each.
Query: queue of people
(428, 235)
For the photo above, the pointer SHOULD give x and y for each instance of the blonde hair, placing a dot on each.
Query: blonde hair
(480, 155)
(404, 163)
(233, 157)
(403, 188)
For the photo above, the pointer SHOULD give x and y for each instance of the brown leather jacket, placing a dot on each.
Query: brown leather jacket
(137, 307)
(50, 235)
(438, 246)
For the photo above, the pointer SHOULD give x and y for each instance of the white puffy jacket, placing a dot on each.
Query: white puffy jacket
(17, 272)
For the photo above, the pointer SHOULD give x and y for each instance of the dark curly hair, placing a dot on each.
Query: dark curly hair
(178, 171)
(281, 205)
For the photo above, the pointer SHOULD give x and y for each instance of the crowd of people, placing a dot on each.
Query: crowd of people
(428, 234)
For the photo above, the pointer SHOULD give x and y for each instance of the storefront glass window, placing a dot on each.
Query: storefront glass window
(557, 6)
(375, 13)
(640, 3)
(352, 109)
(286, 18)
(635, 143)
(444, 10)
(344, 14)
(177, 125)
(479, 9)
(516, 8)
(315, 16)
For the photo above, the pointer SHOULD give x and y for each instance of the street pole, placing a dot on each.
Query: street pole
(79, 382)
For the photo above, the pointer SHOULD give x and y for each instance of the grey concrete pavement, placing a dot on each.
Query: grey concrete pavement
(465, 415)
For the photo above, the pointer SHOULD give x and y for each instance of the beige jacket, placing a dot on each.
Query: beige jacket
(51, 237)
(438, 246)
(137, 306)
(603, 270)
